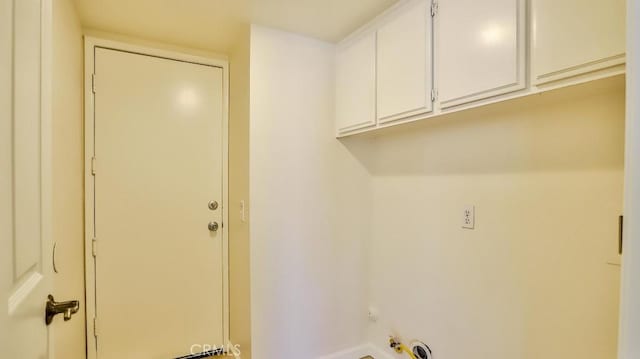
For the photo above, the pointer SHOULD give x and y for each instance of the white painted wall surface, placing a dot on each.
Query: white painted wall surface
(68, 174)
(630, 311)
(309, 197)
(239, 248)
(532, 280)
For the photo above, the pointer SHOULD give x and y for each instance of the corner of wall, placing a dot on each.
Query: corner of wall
(68, 174)
(239, 246)
(309, 200)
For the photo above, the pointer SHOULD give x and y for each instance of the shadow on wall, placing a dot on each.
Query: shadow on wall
(535, 133)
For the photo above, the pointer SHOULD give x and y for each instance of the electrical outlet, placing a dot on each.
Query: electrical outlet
(372, 314)
(469, 217)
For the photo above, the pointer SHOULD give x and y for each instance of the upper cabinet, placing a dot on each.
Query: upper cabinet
(480, 49)
(404, 63)
(425, 58)
(356, 83)
(576, 37)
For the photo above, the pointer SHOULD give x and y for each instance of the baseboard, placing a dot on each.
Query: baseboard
(359, 352)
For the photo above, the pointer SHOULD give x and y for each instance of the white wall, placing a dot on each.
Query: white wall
(309, 194)
(630, 311)
(68, 167)
(532, 280)
(239, 249)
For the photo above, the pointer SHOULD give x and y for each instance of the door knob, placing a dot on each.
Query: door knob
(54, 308)
(213, 226)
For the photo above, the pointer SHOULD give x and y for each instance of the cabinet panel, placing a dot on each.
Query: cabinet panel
(573, 37)
(404, 71)
(356, 84)
(480, 49)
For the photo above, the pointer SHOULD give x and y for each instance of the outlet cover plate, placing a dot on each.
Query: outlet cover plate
(469, 217)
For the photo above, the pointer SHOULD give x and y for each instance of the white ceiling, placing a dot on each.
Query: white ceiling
(214, 24)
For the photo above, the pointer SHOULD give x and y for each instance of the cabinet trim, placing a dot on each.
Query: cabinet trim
(587, 67)
(358, 126)
(436, 114)
(483, 95)
(403, 115)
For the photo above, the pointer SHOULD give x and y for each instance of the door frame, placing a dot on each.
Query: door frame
(90, 43)
(628, 346)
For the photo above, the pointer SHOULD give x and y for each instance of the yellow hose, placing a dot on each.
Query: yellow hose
(404, 348)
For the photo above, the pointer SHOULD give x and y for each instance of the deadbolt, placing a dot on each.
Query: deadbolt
(213, 205)
(213, 226)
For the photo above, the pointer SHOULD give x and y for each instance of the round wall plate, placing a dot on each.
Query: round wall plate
(421, 350)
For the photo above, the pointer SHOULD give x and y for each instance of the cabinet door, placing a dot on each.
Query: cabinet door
(480, 49)
(573, 37)
(405, 63)
(356, 84)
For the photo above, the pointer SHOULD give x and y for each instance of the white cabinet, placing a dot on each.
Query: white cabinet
(470, 53)
(356, 84)
(480, 49)
(404, 55)
(575, 37)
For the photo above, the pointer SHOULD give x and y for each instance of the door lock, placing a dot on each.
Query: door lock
(54, 308)
(213, 205)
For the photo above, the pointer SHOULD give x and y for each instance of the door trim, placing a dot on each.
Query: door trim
(629, 329)
(90, 43)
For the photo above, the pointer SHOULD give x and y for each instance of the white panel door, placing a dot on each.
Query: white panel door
(480, 49)
(356, 84)
(158, 163)
(25, 177)
(405, 63)
(572, 37)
